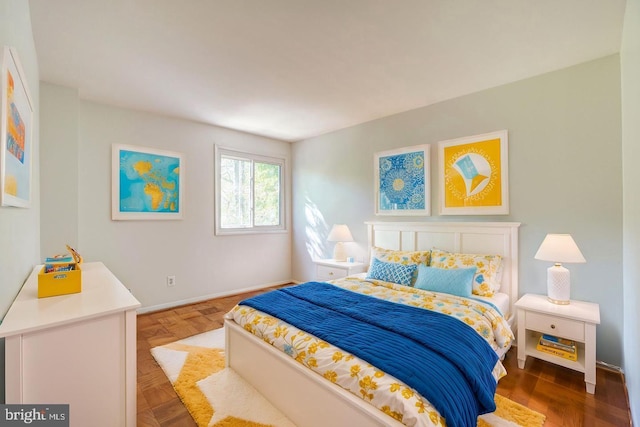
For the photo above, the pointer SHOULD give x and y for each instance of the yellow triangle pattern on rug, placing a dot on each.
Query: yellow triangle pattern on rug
(218, 397)
(199, 364)
(510, 413)
(213, 395)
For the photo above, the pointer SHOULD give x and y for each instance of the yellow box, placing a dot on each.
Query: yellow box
(59, 282)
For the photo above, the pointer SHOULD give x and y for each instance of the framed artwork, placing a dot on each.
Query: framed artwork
(146, 183)
(403, 181)
(16, 126)
(474, 175)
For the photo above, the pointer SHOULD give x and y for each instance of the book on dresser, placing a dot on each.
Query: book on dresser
(556, 346)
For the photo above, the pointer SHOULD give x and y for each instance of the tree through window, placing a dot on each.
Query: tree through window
(249, 192)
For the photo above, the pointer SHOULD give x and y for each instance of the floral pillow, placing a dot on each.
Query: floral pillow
(401, 257)
(486, 281)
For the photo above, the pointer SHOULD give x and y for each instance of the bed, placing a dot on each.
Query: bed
(310, 399)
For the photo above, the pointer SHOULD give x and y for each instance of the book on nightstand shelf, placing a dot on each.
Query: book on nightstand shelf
(560, 347)
(559, 343)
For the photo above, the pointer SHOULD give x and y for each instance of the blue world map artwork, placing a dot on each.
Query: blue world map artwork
(149, 182)
(402, 181)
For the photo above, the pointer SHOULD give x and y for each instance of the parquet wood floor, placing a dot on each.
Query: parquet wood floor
(557, 392)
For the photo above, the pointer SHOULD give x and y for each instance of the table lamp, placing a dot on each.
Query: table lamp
(340, 233)
(559, 248)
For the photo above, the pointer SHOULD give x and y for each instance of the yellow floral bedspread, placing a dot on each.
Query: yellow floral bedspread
(359, 377)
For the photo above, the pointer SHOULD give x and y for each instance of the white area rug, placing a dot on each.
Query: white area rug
(214, 395)
(218, 397)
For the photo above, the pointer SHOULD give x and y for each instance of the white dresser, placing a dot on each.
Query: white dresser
(77, 349)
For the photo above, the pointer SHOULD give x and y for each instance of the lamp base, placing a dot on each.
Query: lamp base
(558, 284)
(339, 252)
(555, 301)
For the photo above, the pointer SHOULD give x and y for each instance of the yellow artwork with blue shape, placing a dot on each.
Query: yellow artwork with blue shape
(473, 174)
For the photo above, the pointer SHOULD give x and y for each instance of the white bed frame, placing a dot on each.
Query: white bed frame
(308, 399)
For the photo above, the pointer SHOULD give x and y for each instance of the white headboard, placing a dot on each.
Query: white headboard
(499, 238)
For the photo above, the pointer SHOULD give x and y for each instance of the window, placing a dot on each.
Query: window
(249, 193)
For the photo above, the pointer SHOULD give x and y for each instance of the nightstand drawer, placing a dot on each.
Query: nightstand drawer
(329, 273)
(557, 326)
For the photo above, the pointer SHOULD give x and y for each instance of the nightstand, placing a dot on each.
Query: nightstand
(575, 321)
(329, 269)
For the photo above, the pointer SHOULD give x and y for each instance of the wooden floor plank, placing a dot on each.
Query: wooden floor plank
(557, 392)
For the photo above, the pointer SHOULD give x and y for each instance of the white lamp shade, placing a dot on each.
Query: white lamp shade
(559, 248)
(340, 233)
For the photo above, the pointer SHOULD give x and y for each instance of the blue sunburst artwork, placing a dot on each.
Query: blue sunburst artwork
(402, 182)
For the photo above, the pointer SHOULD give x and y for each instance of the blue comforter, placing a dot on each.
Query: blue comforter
(442, 358)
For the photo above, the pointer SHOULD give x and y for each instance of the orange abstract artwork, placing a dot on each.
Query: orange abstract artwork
(15, 126)
(16, 119)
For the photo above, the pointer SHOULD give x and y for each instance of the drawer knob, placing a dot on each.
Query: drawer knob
(331, 274)
(553, 326)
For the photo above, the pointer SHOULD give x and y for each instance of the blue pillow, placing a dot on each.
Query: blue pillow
(391, 272)
(455, 281)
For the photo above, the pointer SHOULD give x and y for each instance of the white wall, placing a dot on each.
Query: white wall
(59, 151)
(564, 176)
(142, 253)
(630, 70)
(19, 228)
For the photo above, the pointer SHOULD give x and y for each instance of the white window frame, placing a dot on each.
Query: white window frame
(280, 228)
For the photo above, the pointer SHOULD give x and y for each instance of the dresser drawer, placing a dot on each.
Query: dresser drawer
(557, 326)
(329, 273)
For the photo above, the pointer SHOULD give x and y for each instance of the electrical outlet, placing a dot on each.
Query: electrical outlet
(171, 281)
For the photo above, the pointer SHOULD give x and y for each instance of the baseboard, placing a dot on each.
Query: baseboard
(609, 367)
(174, 304)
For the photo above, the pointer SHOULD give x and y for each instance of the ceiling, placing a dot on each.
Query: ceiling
(294, 69)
